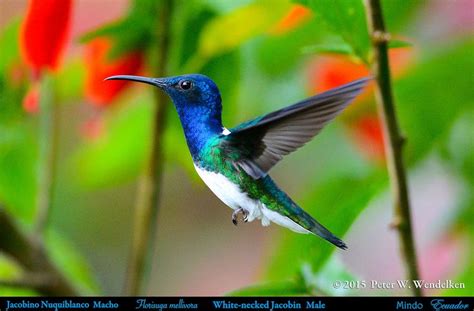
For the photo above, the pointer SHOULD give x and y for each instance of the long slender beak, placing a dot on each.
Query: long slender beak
(161, 83)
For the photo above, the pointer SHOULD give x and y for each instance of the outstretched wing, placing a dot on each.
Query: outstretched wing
(265, 140)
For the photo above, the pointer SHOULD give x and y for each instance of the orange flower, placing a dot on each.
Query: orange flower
(99, 67)
(44, 33)
(296, 16)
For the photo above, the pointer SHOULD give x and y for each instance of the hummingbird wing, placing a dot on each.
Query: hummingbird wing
(265, 140)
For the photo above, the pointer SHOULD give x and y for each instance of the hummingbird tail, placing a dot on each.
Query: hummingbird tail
(320, 230)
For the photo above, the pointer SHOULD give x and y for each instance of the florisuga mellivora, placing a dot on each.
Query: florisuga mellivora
(234, 163)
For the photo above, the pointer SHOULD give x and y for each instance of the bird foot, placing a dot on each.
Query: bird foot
(236, 213)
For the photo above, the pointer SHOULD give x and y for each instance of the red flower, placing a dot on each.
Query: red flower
(296, 16)
(99, 67)
(44, 33)
(93, 128)
(368, 137)
(328, 72)
(31, 100)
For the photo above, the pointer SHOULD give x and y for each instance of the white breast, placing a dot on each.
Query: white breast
(230, 193)
(232, 196)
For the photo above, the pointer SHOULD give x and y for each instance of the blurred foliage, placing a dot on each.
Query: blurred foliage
(70, 81)
(10, 271)
(257, 70)
(347, 19)
(337, 207)
(424, 99)
(117, 155)
(65, 256)
(72, 263)
(280, 288)
(459, 154)
(10, 46)
(18, 154)
(285, 50)
(334, 269)
(458, 151)
(136, 31)
(225, 33)
(397, 16)
(17, 144)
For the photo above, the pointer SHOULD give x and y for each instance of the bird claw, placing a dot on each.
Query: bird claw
(234, 216)
(236, 213)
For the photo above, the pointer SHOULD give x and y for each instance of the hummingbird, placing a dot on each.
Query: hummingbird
(235, 163)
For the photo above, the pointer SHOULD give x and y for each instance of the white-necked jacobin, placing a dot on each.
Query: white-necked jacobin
(234, 163)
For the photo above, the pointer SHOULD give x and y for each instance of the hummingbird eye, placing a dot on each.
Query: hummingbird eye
(185, 84)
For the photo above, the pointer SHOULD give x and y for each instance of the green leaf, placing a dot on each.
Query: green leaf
(336, 205)
(280, 288)
(393, 44)
(346, 18)
(330, 48)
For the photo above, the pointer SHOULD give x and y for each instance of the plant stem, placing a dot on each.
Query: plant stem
(31, 255)
(48, 140)
(146, 208)
(394, 140)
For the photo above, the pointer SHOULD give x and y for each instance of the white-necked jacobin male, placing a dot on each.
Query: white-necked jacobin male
(234, 163)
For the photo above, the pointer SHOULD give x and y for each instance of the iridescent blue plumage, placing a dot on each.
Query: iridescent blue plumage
(234, 164)
(199, 110)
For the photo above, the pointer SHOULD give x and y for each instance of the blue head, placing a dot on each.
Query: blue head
(198, 102)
